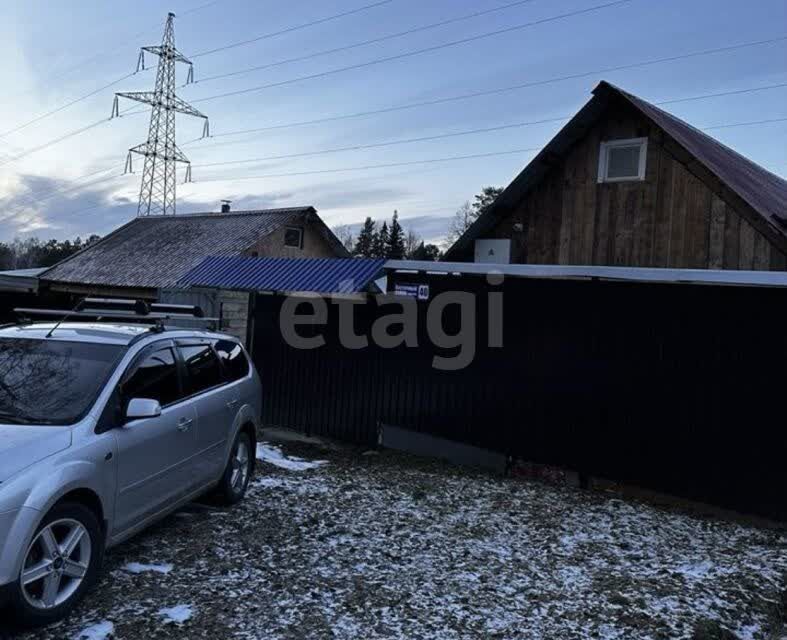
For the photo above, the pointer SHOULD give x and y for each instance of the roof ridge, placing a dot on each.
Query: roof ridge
(229, 214)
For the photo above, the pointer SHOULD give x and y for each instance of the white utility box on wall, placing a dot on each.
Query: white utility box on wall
(494, 251)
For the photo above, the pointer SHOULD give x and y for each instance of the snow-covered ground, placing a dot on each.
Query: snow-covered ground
(387, 546)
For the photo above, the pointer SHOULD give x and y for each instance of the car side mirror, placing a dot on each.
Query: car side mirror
(139, 408)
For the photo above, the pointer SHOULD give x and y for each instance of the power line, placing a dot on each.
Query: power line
(187, 12)
(721, 94)
(442, 136)
(380, 144)
(745, 124)
(66, 105)
(291, 29)
(476, 94)
(369, 63)
(102, 88)
(409, 54)
(370, 166)
(93, 58)
(50, 143)
(524, 85)
(60, 190)
(357, 168)
(466, 96)
(532, 122)
(448, 135)
(364, 43)
(135, 38)
(37, 201)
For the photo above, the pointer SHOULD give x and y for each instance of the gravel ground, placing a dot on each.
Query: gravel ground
(388, 546)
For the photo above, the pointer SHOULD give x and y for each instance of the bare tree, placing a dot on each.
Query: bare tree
(411, 242)
(463, 218)
(345, 235)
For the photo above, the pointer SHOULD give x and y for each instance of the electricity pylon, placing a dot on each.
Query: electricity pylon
(157, 193)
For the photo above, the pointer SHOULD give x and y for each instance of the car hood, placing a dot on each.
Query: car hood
(22, 445)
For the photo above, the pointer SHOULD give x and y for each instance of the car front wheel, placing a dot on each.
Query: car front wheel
(60, 565)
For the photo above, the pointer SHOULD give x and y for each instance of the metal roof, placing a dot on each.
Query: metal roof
(156, 251)
(20, 279)
(580, 272)
(764, 191)
(287, 275)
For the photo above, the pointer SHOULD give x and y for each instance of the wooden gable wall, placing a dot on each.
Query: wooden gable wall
(671, 219)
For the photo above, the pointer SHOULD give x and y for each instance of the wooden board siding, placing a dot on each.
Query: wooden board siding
(315, 245)
(671, 219)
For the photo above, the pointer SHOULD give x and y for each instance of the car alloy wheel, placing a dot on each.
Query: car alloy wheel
(56, 563)
(240, 466)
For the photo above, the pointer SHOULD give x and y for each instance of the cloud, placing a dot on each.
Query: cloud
(38, 203)
(433, 229)
(331, 197)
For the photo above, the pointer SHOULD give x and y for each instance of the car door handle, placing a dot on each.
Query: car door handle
(232, 404)
(184, 424)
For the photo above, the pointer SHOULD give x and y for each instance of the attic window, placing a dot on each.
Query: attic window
(293, 237)
(622, 160)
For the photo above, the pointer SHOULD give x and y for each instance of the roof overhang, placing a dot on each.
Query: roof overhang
(582, 272)
(20, 280)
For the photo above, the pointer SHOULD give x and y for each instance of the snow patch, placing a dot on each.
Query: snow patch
(177, 614)
(98, 631)
(273, 455)
(137, 567)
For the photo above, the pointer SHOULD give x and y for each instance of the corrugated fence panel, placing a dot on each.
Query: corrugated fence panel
(677, 388)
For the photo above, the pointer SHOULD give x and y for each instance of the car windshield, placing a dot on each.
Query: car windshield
(51, 382)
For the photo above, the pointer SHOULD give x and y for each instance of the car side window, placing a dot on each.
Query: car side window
(202, 365)
(156, 377)
(236, 366)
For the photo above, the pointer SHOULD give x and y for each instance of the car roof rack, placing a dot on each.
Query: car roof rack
(116, 309)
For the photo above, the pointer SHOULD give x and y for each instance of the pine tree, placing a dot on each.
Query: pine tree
(485, 199)
(380, 245)
(365, 245)
(395, 246)
(425, 252)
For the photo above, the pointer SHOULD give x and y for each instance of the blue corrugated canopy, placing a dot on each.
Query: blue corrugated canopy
(315, 275)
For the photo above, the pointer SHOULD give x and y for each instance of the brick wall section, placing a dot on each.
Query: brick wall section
(234, 313)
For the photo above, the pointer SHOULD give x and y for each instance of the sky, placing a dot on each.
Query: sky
(58, 52)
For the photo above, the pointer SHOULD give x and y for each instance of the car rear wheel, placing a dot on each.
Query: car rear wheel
(236, 476)
(59, 566)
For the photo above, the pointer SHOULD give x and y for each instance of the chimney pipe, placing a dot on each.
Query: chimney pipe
(225, 206)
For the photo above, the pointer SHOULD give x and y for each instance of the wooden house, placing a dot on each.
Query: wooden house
(146, 257)
(626, 183)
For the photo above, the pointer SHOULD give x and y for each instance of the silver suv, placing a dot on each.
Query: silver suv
(105, 428)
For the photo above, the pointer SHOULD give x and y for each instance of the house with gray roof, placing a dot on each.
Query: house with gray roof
(626, 183)
(146, 257)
